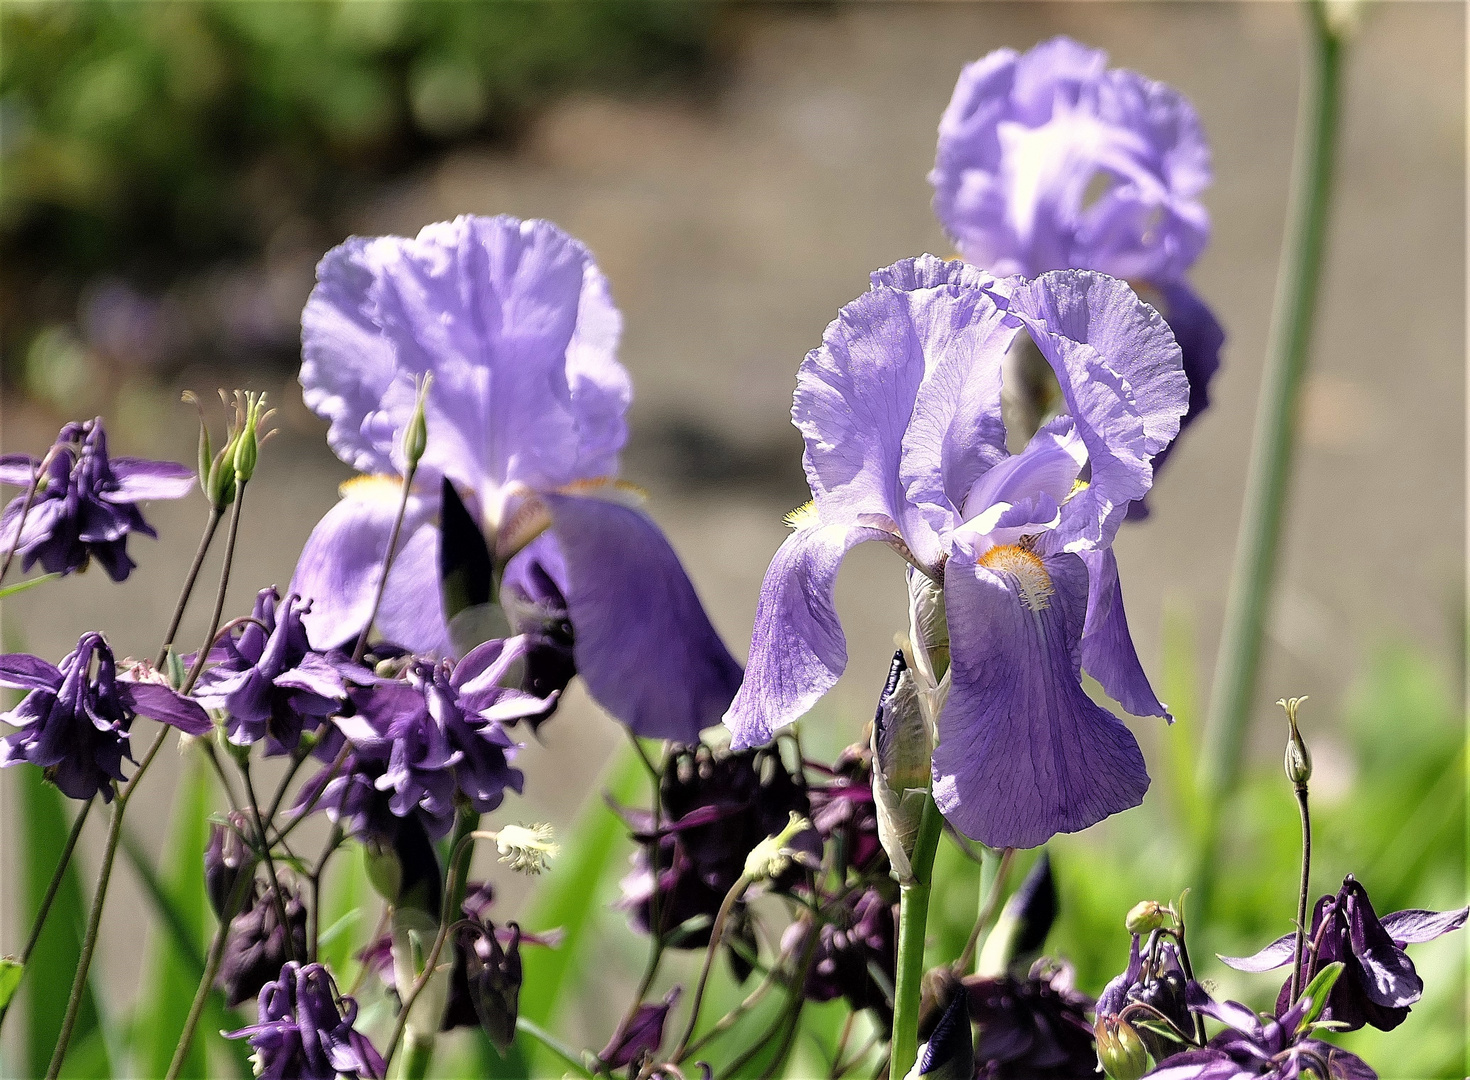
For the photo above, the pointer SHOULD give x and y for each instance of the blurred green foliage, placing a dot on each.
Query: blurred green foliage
(184, 130)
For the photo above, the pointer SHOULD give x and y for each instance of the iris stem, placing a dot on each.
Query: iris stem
(1301, 900)
(994, 867)
(1274, 444)
(367, 627)
(120, 806)
(50, 897)
(913, 920)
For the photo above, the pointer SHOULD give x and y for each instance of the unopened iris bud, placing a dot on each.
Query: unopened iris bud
(527, 849)
(416, 434)
(1120, 1051)
(1298, 759)
(1145, 917)
(1024, 922)
(901, 765)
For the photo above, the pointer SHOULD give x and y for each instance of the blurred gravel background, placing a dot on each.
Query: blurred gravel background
(735, 218)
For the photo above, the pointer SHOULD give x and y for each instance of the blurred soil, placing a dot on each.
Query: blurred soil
(734, 227)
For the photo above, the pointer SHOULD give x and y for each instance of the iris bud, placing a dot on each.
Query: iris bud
(901, 765)
(1120, 1051)
(1145, 917)
(1298, 759)
(1024, 922)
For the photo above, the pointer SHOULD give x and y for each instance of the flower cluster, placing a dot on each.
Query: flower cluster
(306, 1030)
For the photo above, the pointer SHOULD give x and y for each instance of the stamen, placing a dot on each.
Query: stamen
(802, 517)
(1027, 570)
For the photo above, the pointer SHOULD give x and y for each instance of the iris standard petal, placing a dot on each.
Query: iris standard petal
(797, 650)
(515, 322)
(1122, 376)
(339, 568)
(1108, 654)
(642, 640)
(1023, 752)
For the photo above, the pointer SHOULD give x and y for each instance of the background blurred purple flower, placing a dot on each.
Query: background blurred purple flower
(1378, 983)
(1049, 160)
(305, 1030)
(858, 939)
(640, 1035)
(256, 945)
(1251, 1046)
(85, 506)
(268, 680)
(75, 720)
(1152, 986)
(526, 419)
(905, 444)
(1032, 1028)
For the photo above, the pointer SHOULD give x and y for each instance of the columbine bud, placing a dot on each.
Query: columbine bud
(247, 444)
(1120, 1051)
(219, 488)
(494, 975)
(1298, 760)
(206, 452)
(416, 434)
(526, 849)
(773, 855)
(1145, 917)
(901, 765)
(225, 860)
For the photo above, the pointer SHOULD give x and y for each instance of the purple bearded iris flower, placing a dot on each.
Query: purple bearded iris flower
(900, 409)
(85, 505)
(1378, 983)
(439, 730)
(268, 679)
(74, 723)
(1253, 1046)
(305, 1030)
(1023, 147)
(526, 419)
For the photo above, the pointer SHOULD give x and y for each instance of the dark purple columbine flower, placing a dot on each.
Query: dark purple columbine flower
(440, 729)
(85, 505)
(227, 858)
(860, 939)
(1050, 160)
(255, 947)
(1033, 1028)
(1151, 988)
(305, 1030)
(1253, 1046)
(843, 813)
(74, 723)
(717, 806)
(905, 444)
(1378, 983)
(269, 681)
(525, 419)
(640, 1035)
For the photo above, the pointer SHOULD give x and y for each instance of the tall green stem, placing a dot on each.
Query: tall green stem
(913, 921)
(1302, 893)
(1274, 444)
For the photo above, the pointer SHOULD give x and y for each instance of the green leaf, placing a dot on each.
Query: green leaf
(346, 899)
(173, 971)
(1318, 991)
(10, 973)
(29, 583)
(569, 898)
(45, 821)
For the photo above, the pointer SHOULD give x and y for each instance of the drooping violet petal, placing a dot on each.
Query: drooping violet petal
(1108, 654)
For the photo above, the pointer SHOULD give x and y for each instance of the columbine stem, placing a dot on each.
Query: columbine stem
(216, 514)
(367, 627)
(120, 805)
(995, 868)
(1274, 443)
(913, 920)
(1301, 902)
(51, 890)
(25, 510)
(253, 805)
(716, 932)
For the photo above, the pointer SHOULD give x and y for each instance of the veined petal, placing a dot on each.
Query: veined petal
(1415, 925)
(1274, 955)
(1122, 376)
(1023, 752)
(158, 702)
(797, 651)
(1108, 654)
(22, 671)
(339, 568)
(641, 639)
